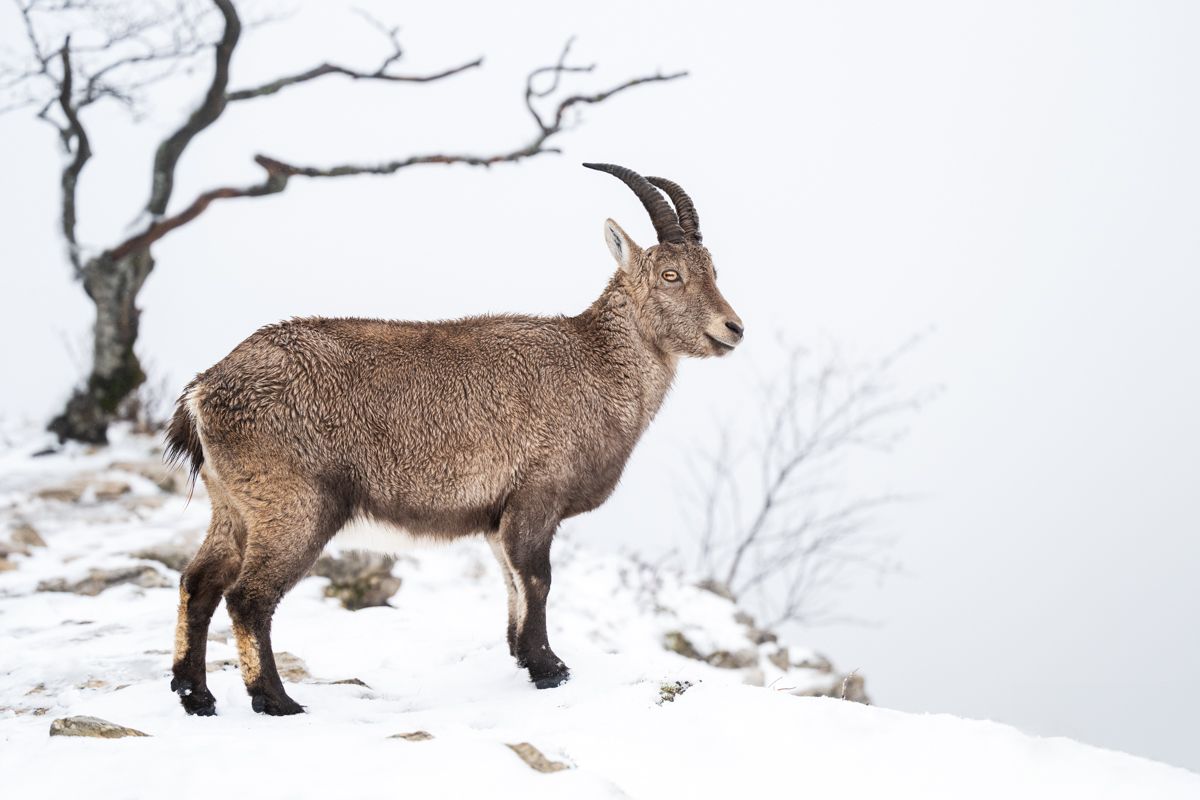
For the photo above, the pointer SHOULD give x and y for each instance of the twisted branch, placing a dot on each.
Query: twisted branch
(74, 130)
(278, 171)
(167, 156)
(380, 73)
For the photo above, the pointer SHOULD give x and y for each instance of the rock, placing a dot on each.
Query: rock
(780, 659)
(760, 636)
(414, 736)
(854, 689)
(351, 682)
(12, 549)
(100, 579)
(851, 687)
(668, 691)
(813, 660)
(6, 565)
(741, 659)
(536, 759)
(173, 555)
(91, 726)
(358, 579)
(753, 632)
(75, 490)
(20, 711)
(27, 536)
(291, 668)
(168, 478)
(676, 642)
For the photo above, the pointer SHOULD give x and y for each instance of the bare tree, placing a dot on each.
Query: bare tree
(777, 523)
(82, 52)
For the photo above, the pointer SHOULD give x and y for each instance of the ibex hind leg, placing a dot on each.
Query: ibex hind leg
(281, 547)
(204, 580)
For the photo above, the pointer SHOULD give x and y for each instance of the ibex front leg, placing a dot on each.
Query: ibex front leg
(525, 540)
(510, 586)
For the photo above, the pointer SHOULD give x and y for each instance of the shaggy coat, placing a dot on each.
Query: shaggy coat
(494, 425)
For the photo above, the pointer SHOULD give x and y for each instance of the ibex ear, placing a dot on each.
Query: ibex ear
(623, 249)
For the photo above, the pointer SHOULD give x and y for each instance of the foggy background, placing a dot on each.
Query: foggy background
(1018, 179)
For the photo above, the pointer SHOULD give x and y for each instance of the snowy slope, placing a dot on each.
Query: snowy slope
(436, 661)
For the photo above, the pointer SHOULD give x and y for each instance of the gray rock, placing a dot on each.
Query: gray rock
(26, 535)
(358, 579)
(291, 668)
(173, 555)
(536, 759)
(100, 579)
(740, 659)
(173, 480)
(814, 661)
(413, 736)
(91, 726)
(12, 549)
(850, 687)
(73, 491)
(754, 633)
(677, 642)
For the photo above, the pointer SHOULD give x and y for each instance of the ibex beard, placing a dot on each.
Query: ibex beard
(497, 425)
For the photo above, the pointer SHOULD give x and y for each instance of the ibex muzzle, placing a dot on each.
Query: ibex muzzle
(497, 425)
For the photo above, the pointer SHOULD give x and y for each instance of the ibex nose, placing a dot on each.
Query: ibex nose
(736, 327)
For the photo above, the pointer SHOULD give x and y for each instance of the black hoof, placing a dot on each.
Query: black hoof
(273, 707)
(198, 702)
(553, 679)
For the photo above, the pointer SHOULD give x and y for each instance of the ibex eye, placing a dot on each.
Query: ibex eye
(671, 275)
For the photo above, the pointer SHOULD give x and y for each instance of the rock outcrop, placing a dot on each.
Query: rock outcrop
(100, 579)
(92, 727)
(358, 579)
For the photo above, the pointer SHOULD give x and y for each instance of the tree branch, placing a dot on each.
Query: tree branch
(275, 182)
(169, 152)
(801, 534)
(83, 151)
(334, 69)
(380, 73)
(278, 171)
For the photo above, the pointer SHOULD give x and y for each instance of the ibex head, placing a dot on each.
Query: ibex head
(673, 283)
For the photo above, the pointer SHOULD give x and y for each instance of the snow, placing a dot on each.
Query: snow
(437, 662)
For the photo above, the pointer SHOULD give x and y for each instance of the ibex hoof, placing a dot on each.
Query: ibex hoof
(198, 702)
(552, 680)
(275, 707)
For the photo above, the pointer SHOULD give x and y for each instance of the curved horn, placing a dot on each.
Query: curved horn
(666, 224)
(689, 220)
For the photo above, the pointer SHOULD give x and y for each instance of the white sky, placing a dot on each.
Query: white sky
(1020, 177)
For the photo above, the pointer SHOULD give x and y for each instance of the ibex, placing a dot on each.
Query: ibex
(495, 425)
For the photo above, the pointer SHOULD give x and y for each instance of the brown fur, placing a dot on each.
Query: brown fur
(494, 425)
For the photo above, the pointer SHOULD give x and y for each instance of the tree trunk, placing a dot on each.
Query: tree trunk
(113, 285)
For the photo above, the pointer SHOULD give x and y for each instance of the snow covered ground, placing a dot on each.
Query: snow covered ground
(436, 661)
